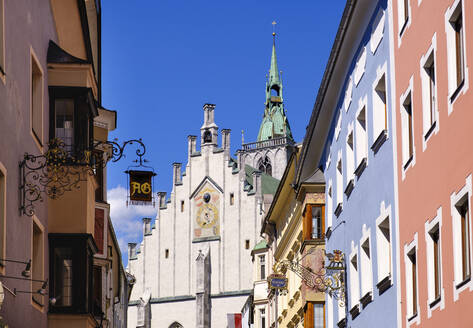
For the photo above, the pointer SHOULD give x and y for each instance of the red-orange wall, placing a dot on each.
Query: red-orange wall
(443, 167)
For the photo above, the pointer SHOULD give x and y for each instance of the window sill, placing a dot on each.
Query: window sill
(367, 299)
(404, 26)
(384, 284)
(408, 162)
(463, 283)
(383, 136)
(435, 302)
(361, 167)
(457, 91)
(339, 209)
(429, 132)
(349, 188)
(412, 317)
(342, 323)
(355, 311)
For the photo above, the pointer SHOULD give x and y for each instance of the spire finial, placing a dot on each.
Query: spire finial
(274, 30)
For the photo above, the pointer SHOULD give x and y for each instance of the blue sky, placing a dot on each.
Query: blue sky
(163, 59)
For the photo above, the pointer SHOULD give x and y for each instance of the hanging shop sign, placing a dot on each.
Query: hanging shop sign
(141, 187)
(277, 281)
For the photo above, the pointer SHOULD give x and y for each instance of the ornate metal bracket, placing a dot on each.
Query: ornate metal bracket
(329, 279)
(59, 170)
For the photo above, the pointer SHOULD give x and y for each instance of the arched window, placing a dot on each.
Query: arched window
(264, 165)
(207, 136)
(176, 325)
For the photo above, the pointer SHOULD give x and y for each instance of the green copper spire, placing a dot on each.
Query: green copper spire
(275, 123)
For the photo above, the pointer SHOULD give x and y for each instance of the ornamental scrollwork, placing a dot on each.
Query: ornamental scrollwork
(59, 170)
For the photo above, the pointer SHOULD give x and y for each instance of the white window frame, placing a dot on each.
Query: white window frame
(39, 101)
(360, 66)
(350, 155)
(405, 129)
(354, 277)
(385, 213)
(408, 276)
(436, 222)
(426, 95)
(361, 146)
(329, 211)
(378, 124)
(377, 31)
(338, 127)
(456, 198)
(348, 94)
(366, 263)
(451, 58)
(403, 21)
(339, 181)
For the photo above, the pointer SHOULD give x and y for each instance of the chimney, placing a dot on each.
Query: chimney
(176, 173)
(162, 199)
(226, 139)
(146, 226)
(131, 251)
(191, 141)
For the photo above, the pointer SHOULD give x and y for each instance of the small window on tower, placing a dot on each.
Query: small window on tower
(182, 206)
(232, 199)
(166, 253)
(207, 136)
(247, 244)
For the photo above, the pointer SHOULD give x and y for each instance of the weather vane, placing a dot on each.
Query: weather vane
(274, 28)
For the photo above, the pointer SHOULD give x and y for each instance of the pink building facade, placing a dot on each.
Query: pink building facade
(433, 51)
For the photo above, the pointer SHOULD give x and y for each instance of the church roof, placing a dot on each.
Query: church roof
(268, 183)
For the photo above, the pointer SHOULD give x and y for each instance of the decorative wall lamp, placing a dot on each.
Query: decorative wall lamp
(25, 275)
(329, 279)
(60, 170)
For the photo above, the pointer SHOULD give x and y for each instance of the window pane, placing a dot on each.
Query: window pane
(316, 222)
(63, 276)
(318, 316)
(65, 122)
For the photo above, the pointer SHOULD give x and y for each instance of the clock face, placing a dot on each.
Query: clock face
(207, 215)
(206, 207)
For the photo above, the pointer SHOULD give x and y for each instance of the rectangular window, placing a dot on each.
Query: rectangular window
(36, 100)
(383, 240)
(350, 161)
(97, 290)
(232, 198)
(247, 244)
(319, 315)
(407, 131)
(182, 206)
(166, 253)
(435, 265)
(366, 271)
(262, 315)
(361, 137)
(99, 229)
(329, 205)
(403, 11)
(37, 263)
(72, 110)
(429, 95)
(313, 225)
(455, 50)
(380, 122)
(99, 177)
(64, 277)
(411, 273)
(465, 240)
(354, 281)
(339, 182)
(262, 267)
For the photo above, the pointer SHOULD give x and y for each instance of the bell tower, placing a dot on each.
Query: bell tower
(274, 145)
(209, 130)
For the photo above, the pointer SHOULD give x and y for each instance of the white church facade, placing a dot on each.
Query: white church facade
(194, 265)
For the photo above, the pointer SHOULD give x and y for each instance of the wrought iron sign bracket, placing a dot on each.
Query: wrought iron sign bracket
(329, 279)
(59, 170)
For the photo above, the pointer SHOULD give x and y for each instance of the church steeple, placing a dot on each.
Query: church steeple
(275, 123)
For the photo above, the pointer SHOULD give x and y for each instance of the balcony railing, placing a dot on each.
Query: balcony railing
(267, 143)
